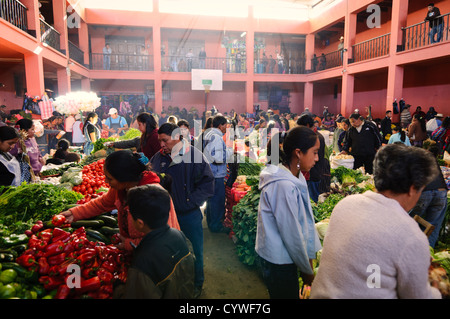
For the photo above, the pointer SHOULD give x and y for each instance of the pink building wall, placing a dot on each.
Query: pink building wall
(7, 94)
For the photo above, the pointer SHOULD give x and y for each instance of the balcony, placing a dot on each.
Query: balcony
(326, 61)
(289, 66)
(15, 13)
(177, 63)
(76, 54)
(49, 35)
(421, 34)
(121, 62)
(372, 48)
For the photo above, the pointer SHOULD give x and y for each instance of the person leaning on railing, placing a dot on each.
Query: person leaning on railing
(436, 23)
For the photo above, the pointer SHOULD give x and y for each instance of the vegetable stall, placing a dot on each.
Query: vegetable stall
(44, 257)
(344, 182)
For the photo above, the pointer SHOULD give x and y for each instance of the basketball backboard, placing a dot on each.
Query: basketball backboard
(205, 79)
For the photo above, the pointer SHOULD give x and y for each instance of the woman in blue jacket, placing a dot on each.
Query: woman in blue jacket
(286, 238)
(399, 136)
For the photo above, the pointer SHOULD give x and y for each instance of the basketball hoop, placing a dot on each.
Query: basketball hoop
(206, 84)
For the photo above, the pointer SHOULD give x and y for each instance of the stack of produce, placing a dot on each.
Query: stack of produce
(22, 206)
(236, 193)
(57, 171)
(246, 169)
(440, 271)
(70, 265)
(244, 221)
(93, 179)
(18, 282)
(99, 145)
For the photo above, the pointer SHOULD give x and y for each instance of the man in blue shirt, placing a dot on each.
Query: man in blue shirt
(217, 154)
(115, 123)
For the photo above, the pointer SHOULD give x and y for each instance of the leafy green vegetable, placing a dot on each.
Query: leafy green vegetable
(347, 176)
(323, 210)
(22, 205)
(99, 144)
(130, 134)
(250, 169)
(245, 216)
(60, 170)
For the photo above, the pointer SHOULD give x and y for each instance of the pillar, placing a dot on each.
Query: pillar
(63, 77)
(249, 87)
(349, 36)
(157, 57)
(309, 50)
(396, 72)
(34, 74)
(348, 85)
(86, 84)
(83, 40)
(398, 21)
(308, 96)
(348, 80)
(394, 88)
(34, 26)
(60, 24)
(250, 59)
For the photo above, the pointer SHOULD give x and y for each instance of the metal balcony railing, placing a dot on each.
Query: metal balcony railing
(290, 66)
(15, 13)
(327, 61)
(49, 35)
(371, 48)
(423, 34)
(75, 53)
(125, 62)
(176, 63)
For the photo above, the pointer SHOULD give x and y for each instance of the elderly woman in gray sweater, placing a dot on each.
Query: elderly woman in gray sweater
(373, 248)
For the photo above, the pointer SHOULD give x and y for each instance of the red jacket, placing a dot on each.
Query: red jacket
(114, 199)
(152, 144)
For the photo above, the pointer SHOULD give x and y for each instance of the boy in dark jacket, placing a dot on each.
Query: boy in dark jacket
(436, 23)
(162, 266)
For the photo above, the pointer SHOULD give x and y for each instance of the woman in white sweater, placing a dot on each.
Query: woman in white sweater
(373, 248)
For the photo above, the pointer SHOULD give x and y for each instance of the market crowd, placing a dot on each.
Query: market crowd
(175, 169)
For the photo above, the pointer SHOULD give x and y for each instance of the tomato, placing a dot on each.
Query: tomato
(58, 220)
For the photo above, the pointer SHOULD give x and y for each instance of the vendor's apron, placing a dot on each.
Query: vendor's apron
(116, 126)
(89, 145)
(13, 167)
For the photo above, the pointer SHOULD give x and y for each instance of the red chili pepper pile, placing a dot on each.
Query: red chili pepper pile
(52, 250)
(93, 179)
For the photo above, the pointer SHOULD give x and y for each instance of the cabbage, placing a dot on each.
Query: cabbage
(322, 227)
(76, 179)
(318, 255)
(442, 255)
